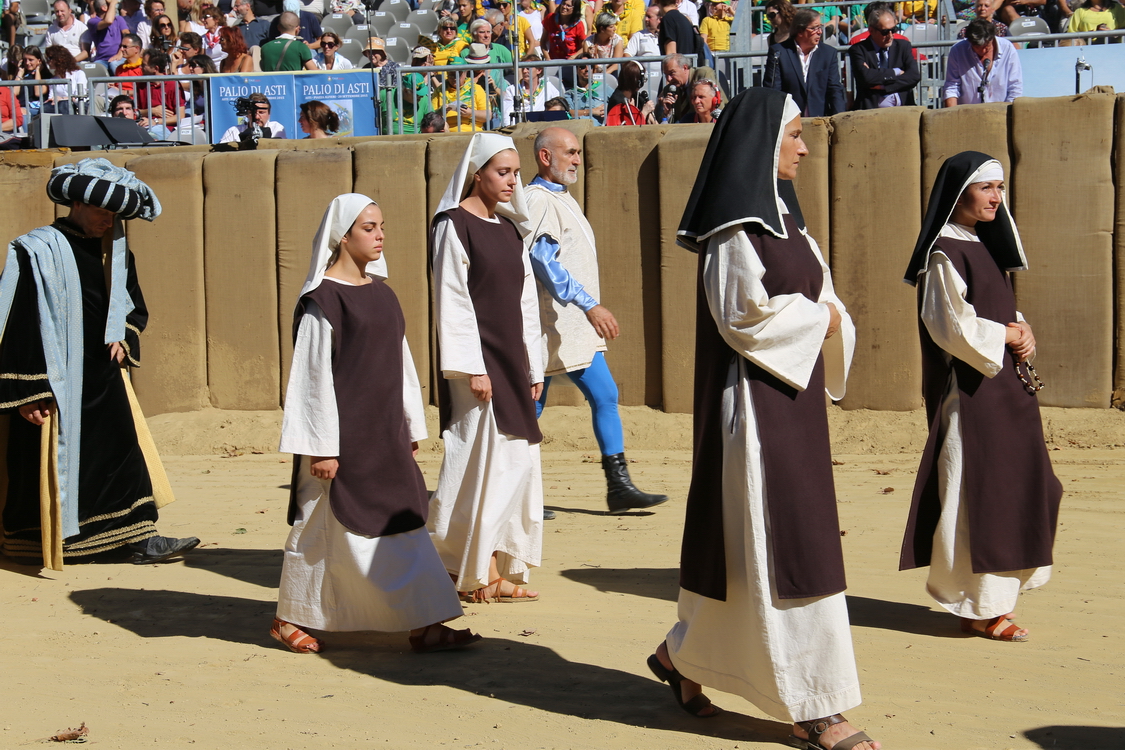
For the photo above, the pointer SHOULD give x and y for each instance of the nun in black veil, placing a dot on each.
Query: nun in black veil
(986, 499)
(761, 605)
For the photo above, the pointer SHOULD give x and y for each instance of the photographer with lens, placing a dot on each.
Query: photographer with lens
(256, 124)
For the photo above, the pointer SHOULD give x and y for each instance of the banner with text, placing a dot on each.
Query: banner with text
(348, 93)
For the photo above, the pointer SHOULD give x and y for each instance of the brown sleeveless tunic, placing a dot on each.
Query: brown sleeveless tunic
(496, 278)
(796, 455)
(1010, 491)
(378, 489)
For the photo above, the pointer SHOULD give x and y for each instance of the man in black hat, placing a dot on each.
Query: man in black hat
(83, 477)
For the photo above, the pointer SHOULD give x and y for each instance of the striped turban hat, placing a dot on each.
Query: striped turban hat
(99, 183)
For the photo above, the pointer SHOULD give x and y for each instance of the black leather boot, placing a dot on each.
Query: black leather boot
(621, 495)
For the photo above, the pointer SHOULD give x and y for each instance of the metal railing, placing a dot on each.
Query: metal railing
(94, 99)
(508, 102)
(449, 87)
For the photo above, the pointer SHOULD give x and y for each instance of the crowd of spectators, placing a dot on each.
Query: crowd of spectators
(245, 36)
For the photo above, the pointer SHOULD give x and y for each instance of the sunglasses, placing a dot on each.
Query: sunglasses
(164, 26)
(329, 45)
(886, 32)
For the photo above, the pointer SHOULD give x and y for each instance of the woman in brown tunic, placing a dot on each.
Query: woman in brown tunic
(986, 499)
(761, 605)
(359, 556)
(486, 516)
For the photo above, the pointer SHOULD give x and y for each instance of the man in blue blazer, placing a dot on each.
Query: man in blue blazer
(806, 68)
(884, 68)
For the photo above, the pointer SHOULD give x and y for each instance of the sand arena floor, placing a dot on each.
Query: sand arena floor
(179, 654)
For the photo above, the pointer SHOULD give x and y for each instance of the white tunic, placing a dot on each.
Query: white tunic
(954, 326)
(332, 578)
(792, 658)
(489, 496)
(569, 341)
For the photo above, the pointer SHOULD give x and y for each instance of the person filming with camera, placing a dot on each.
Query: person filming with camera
(256, 121)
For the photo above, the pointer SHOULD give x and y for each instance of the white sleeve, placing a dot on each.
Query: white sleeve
(507, 103)
(412, 397)
(532, 330)
(782, 334)
(458, 337)
(953, 323)
(310, 425)
(840, 349)
(231, 135)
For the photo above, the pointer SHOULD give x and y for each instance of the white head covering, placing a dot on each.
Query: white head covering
(483, 147)
(337, 221)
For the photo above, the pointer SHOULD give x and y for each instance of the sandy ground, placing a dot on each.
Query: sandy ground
(178, 654)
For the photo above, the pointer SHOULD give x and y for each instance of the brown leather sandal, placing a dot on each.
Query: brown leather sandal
(299, 642)
(479, 596)
(448, 639)
(819, 727)
(995, 629)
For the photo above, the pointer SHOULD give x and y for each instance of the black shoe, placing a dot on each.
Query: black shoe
(159, 548)
(621, 495)
(548, 515)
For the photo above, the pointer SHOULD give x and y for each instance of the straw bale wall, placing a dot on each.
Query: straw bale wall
(222, 267)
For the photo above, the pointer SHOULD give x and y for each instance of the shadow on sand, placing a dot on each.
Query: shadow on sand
(588, 512)
(1078, 738)
(905, 618)
(516, 672)
(663, 583)
(654, 583)
(261, 567)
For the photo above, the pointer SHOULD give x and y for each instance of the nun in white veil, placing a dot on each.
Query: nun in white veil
(358, 557)
(486, 516)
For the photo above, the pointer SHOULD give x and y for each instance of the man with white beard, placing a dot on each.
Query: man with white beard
(575, 325)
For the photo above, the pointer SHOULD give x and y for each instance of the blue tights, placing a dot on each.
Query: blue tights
(596, 384)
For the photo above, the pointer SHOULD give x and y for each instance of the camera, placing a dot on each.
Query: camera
(245, 107)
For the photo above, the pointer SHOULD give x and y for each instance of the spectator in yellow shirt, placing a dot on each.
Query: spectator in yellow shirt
(914, 11)
(630, 15)
(462, 100)
(449, 45)
(715, 28)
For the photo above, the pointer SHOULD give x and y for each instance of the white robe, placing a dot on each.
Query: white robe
(792, 658)
(569, 341)
(954, 326)
(332, 578)
(489, 496)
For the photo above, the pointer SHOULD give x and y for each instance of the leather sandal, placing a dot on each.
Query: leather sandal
(299, 642)
(697, 705)
(995, 630)
(819, 727)
(478, 596)
(448, 639)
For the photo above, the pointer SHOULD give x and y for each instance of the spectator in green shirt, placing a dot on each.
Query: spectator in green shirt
(288, 51)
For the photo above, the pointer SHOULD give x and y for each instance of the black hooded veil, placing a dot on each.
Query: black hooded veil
(1009, 493)
(999, 235)
(738, 185)
(737, 181)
